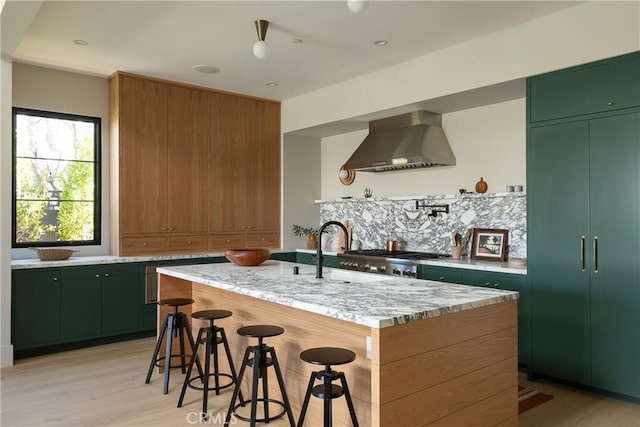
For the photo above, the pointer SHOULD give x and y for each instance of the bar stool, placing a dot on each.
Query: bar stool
(328, 391)
(257, 357)
(209, 336)
(177, 325)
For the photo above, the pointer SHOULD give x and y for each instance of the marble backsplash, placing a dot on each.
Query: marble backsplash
(373, 220)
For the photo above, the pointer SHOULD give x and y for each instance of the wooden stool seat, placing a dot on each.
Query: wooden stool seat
(328, 356)
(211, 314)
(175, 302)
(260, 331)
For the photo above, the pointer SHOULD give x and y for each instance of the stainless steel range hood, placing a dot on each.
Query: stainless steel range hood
(413, 140)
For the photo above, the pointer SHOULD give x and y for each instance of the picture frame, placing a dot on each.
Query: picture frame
(489, 244)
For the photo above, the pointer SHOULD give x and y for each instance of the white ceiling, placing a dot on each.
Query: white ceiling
(166, 38)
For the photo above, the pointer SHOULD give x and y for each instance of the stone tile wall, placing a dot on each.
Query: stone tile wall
(373, 220)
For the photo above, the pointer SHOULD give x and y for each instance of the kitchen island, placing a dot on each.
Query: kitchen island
(428, 353)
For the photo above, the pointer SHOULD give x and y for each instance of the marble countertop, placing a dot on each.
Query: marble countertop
(112, 259)
(367, 299)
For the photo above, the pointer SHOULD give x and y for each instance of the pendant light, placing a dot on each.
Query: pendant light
(261, 48)
(357, 6)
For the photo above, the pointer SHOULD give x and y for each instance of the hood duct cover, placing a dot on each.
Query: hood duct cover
(414, 140)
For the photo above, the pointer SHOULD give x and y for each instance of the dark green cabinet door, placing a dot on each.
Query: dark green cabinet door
(121, 298)
(558, 202)
(440, 274)
(36, 308)
(288, 256)
(510, 282)
(615, 221)
(80, 304)
(592, 88)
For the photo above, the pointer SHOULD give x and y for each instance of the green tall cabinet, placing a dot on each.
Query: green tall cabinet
(584, 240)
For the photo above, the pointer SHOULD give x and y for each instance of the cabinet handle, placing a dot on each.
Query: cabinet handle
(582, 253)
(171, 229)
(55, 279)
(441, 278)
(610, 103)
(496, 285)
(228, 240)
(487, 284)
(164, 228)
(97, 276)
(595, 254)
(188, 242)
(145, 244)
(106, 275)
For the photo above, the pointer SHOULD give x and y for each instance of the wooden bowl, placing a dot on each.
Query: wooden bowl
(247, 257)
(53, 254)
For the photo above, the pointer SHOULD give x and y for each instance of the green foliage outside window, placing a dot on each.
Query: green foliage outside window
(56, 176)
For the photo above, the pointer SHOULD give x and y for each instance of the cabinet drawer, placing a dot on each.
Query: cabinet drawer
(268, 240)
(141, 245)
(226, 241)
(188, 243)
(592, 88)
(440, 274)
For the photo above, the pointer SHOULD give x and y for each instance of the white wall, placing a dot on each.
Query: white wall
(60, 91)
(584, 33)
(301, 186)
(6, 349)
(487, 141)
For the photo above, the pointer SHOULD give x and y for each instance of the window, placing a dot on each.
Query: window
(56, 179)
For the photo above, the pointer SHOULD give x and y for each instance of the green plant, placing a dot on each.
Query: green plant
(300, 231)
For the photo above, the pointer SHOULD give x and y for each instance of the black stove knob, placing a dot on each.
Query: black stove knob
(396, 271)
(382, 269)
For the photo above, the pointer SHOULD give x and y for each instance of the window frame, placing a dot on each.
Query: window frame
(97, 169)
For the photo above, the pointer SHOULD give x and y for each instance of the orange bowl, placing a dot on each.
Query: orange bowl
(247, 257)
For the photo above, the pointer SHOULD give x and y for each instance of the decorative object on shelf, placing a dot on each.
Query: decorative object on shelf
(456, 252)
(463, 191)
(489, 244)
(53, 254)
(435, 209)
(261, 48)
(367, 193)
(481, 186)
(346, 176)
(459, 243)
(392, 243)
(311, 233)
(247, 256)
(357, 6)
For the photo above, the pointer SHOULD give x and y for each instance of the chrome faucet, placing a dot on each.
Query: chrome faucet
(319, 252)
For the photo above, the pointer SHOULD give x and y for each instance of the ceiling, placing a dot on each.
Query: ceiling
(165, 39)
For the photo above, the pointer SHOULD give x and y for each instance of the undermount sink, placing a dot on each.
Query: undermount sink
(350, 276)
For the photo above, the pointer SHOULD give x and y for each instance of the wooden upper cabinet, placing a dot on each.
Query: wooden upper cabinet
(245, 165)
(142, 159)
(189, 135)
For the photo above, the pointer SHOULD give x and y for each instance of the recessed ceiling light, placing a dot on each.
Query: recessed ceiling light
(297, 41)
(81, 42)
(271, 84)
(207, 69)
(380, 42)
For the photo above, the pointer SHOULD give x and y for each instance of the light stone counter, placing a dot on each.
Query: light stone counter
(376, 301)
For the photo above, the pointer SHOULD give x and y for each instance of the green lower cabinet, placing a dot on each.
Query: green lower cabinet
(36, 308)
(307, 258)
(440, 274)
(510, 282)
(80, 303)
(121, 299)
(287, 256)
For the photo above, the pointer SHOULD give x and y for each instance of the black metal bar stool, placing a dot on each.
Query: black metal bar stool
(209, 336)
(328, 391)
(260, 357)
(175, 325)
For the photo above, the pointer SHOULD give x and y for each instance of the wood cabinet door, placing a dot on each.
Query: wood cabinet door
(143, 156)
(188, 140)
(558, 200)
(615, 287)
(228, 166)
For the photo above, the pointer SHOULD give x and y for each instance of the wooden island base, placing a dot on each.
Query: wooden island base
(456, 369)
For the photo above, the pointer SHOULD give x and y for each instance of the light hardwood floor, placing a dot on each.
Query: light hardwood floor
(104, 386)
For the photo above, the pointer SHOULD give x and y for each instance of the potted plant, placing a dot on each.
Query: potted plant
(311, 233)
